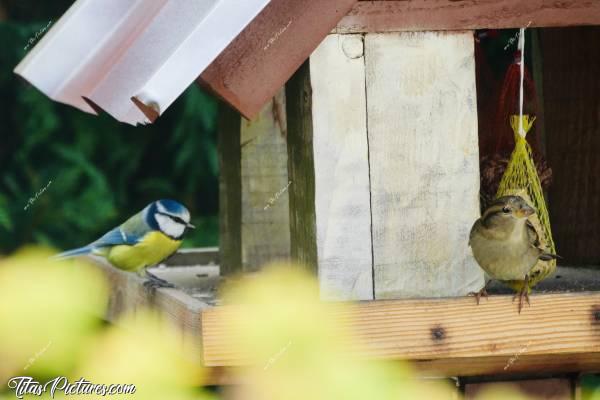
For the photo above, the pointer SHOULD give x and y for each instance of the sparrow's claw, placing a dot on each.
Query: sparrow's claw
(523, 294)
(479, 295)
(482, 293)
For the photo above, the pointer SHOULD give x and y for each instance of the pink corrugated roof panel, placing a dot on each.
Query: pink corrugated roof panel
(133, 58)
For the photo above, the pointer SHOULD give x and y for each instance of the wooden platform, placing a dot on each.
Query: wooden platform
(559, 333)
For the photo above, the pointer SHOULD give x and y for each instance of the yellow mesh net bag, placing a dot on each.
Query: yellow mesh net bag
(521, 179)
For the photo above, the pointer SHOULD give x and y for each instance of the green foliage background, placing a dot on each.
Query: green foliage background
(101, 171)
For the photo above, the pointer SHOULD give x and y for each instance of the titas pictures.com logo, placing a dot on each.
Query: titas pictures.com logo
(24, 385)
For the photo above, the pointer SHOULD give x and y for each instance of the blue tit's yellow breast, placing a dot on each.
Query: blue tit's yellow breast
(152, 249)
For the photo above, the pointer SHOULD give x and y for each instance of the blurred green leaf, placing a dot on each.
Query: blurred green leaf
(5, 220)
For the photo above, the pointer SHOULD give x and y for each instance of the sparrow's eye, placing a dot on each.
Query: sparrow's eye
(505, 210)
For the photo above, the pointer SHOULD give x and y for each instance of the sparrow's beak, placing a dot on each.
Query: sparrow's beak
(525, 211)
(190, 226)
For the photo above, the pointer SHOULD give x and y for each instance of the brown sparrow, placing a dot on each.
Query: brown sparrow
(506, 245)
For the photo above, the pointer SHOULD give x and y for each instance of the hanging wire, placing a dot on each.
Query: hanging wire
(522, 72)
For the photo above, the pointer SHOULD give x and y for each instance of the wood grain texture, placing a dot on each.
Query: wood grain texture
(572, 127)
(442, 337)
(342, 196)
(265, 204)
(230, 191)
(301, 171)
(127, 296)
(436, 15)
(456, 337)
(423, 146)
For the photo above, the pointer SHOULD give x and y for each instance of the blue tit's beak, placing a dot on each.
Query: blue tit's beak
(188, 225)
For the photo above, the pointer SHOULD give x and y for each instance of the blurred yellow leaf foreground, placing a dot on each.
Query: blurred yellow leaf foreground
(51, 326)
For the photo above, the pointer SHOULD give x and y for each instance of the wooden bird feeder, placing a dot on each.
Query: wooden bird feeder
(363, 165)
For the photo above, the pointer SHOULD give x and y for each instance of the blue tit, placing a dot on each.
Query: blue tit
(145, 239)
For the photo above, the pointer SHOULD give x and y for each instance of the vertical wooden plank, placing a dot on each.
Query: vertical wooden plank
(230, 195)
(572, 106)
(298, 95)
(265, 204)
(422, 130)
(342, 196)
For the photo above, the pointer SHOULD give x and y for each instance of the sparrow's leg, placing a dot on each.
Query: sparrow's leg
(154, 282)
(523, 293)
(482, 293)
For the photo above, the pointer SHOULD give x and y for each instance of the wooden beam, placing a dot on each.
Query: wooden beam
(341, 159)
(424, 162)
(455, 336)
(562, 329)
(434, 15)
(298, 94)
(265, 204)
(128, 295)
(266, 53)
(230, 190)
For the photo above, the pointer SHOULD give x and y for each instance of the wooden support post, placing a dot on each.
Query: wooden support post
(265, 229)
(298, 93)
(230, 191)
(396, 164)
(342, 168)
(424, 162)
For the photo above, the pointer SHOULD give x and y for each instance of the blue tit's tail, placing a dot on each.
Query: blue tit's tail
(73, 253)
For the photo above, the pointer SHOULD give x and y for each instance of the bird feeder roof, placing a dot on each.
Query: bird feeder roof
(133, 58)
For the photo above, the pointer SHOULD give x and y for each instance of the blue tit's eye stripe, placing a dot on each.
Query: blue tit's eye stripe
(174, 218)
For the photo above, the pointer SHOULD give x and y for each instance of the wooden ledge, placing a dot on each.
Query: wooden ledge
(180, 306)
(559, 333)
(456, 337)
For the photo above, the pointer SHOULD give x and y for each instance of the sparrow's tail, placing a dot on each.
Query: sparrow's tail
(73, 253)
(548, 256)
